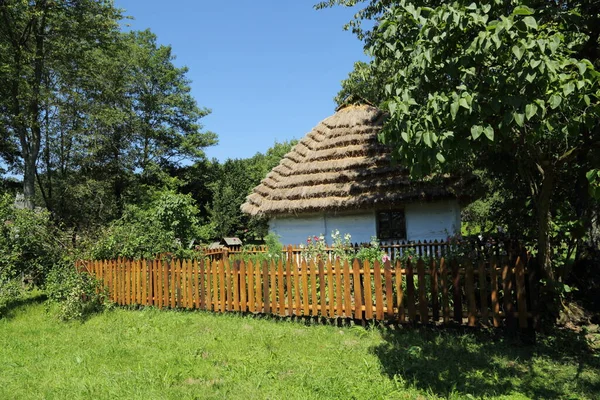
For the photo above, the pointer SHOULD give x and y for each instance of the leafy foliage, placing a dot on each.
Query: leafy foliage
(233, 181)
(77, 294)
(168, 224)
(10, 291)
(372, 252)
(29, 243)
(509, 89)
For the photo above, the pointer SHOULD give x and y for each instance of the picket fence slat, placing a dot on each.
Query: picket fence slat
(378, 291)
(399, 292)
(410, 292)
(368, 294)
(494, 290)
(423, 307)
(313, 291)
(357, 291)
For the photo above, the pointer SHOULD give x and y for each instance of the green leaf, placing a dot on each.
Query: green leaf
(427, 54)
(592, 174)
(392, 107)
(472, 6)
(530, 77)
(517, 51)
(489, 133)
(568, 88)
(553, 44)
(522, 10)
(530, 22)
(587, 100)
(427, 139)
(463, 102)
(440, 157)
(405, 136)
(582, 68)
(530, 111)
(542, 44)
(476, 131)
(454, 109)
(555, 101)
(519, 118)
(496, 40)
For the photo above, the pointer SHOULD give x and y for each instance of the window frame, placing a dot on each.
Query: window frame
(390, 213)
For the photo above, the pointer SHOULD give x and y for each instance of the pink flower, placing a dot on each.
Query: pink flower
(316, 238)
(385, 258)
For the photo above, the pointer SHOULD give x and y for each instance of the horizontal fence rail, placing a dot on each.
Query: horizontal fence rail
(500, 291)
(393, 249)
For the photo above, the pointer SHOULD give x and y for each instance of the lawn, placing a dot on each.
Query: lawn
(150, 354)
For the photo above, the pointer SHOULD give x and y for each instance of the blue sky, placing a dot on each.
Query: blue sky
(267, 69)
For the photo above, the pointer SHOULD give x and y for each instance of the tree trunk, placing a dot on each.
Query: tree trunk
(544, 218)
(29, 181)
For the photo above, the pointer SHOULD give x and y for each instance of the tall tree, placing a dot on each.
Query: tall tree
(107, 133)
(36, 45)
(166, 125)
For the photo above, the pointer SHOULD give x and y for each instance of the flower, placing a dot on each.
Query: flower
(385, 258)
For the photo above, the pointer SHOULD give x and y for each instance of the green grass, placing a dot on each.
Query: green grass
(152, 354)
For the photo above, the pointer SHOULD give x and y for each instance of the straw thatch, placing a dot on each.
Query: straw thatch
(339, 165)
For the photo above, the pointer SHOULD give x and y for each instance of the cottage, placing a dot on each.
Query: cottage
(340, 177)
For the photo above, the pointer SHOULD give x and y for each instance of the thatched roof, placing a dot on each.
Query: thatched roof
(339, 165)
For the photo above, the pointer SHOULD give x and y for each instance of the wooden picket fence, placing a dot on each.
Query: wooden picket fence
(497, 292)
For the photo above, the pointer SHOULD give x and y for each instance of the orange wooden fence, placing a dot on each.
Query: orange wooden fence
(498, 292)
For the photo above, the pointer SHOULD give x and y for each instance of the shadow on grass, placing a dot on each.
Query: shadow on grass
(450, 363)
(9, 308)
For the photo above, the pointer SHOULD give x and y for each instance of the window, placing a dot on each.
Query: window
(391, 225)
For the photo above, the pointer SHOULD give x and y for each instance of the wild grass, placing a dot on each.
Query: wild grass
(151, 354)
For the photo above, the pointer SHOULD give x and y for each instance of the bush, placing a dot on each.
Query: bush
(77, 294)
(168, 224)
(10, 291)
(29, 243)
(372, 253)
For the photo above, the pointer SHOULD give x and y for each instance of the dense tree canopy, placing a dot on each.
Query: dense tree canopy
(507, 87)
(38, 57)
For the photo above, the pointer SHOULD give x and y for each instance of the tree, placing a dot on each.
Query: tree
(363, 84)
(492, 85)
(36, 48)
(166, 115)
(234, 180)
(107, 133)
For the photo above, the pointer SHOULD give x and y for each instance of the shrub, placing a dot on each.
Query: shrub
(77, 294)
(30, 244)
(315, 248)
(342, 247)
(372, 253)
(10, 291)
(169, 224)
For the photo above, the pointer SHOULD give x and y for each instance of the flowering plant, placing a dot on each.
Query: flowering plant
(373, 252)
(315, 249)
(342, 247)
